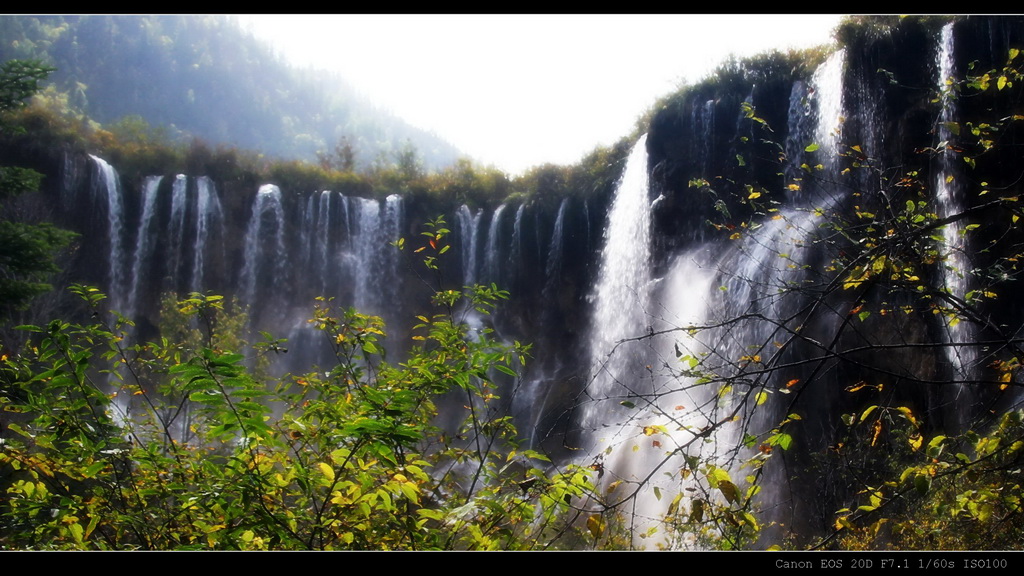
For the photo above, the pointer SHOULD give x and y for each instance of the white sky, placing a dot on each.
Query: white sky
(516, 91)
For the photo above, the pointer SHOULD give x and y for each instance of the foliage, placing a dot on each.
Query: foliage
(951, 488)
(177, 444)
(19, 79)
(466, 183)
(27, 249)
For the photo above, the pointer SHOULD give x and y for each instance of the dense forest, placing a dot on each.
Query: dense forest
(782, 318)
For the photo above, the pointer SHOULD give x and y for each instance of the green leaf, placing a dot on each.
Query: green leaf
(505, 370)
(922, 483)
(811, 147)
(784, 441)
(93, 469)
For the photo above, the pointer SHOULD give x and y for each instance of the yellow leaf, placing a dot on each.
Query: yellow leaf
(908, 414)
(327, 471)
(654, 429)
(595, 525)
(915, 441)
(877, 432)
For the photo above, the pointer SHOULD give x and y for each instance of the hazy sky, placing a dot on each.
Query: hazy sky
(520, 90)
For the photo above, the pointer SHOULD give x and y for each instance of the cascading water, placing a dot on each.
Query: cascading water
(265, 257)
(317, 249)
(949, 200)
(376, 261)
(492, 249)
(107, 190)
(704, 125)
(827, 86)
(323, 264)
(553, 268)
(620, 298)
(658, 378)
(516, 251)
(209, 222)
(176, 229)
(469, 225)
(146, 241)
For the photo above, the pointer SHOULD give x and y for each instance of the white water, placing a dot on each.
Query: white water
(209, 221)
(469, 228)
(264, 245)
(322, 264)
(146, 241)
(515, 254)
(492, 261)
(176, 230)
(107, 189)
(949, 200)
(658, 376)
(621, 298)
(376, 260)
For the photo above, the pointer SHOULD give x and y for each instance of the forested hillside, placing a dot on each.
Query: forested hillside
(204, 76)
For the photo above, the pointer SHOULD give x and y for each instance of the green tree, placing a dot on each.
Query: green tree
(178, 445)
(27, 250)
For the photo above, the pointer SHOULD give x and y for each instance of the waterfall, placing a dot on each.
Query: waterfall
(949, 200)
(703, 116)
(106, 190)
(365, 245)
(391, 229)
(620, 297)
(492, 249)
(801, 126)
(209, 220)
(827, 86)
(469, 225)
(176, 231)
(306, 248)
(145, 243)
(516, 252)
(265, 257)
(553, 269)
(658, 379)
(323, 264)
(376, 262)
(316, 249)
